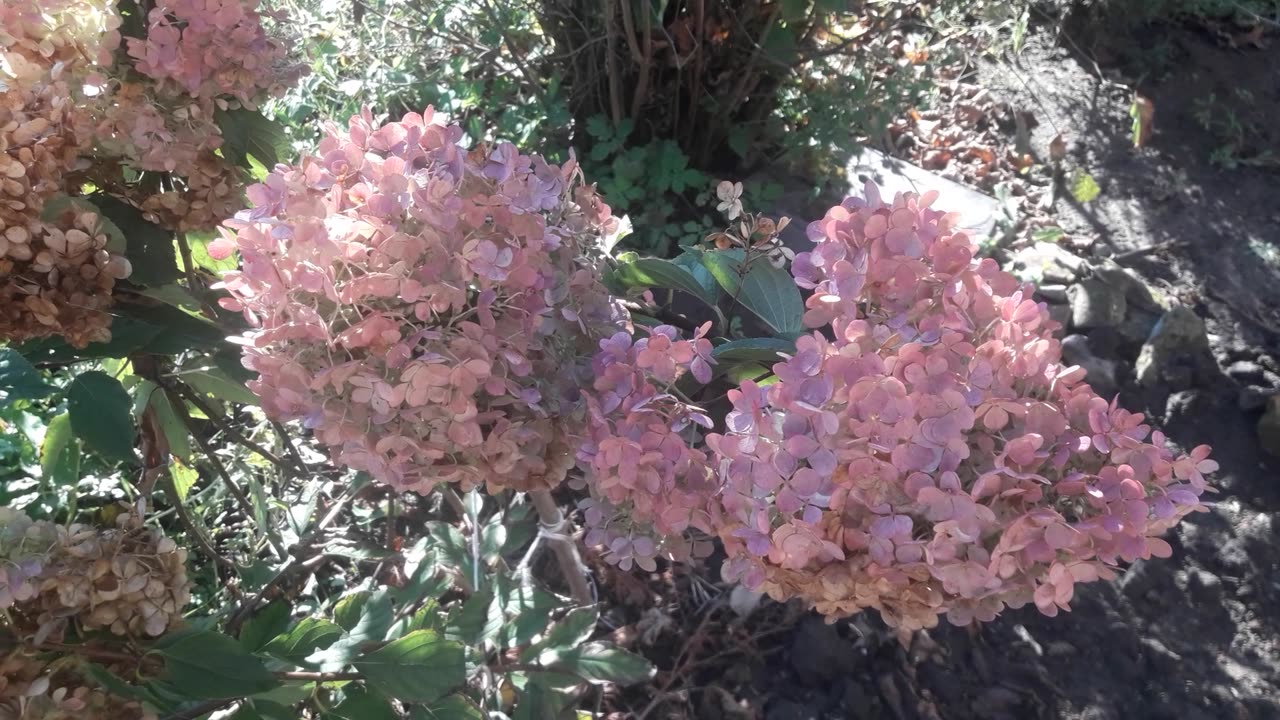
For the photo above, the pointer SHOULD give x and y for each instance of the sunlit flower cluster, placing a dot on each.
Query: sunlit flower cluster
(430, 312)
(649, 485)
(128, 580)
(209, 49)
(932, 455)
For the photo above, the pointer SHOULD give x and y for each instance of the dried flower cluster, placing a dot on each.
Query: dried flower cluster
(429, 312)
(75, 111)
(35, 689)
(128, 580)
(56, 273)
(935, 457)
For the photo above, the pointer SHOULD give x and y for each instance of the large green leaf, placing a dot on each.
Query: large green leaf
(205, 664)
(148, 247)
(100, 415)
(569, 632)
(211, 379)
(156, 329)
(726, 267)
(599, 662)
(248, 132)
(19, 378)
(265, 625)
(419, 667)
(371, 626)
(304, 639)
(361, 704)
(452, 707)
(469, 621)
(771, 293)
(60, 452)
(634, 271)
(763, 350)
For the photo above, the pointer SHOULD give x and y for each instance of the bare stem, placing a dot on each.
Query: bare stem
(565, 549)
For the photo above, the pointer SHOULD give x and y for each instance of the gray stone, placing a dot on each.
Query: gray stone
(1052, 293)
(1062, 315)
(1100, 373)
(1204, 586)
(788, 710)
(978, 212)
(1253, 398)
(1269, 427)
(1135, 290)
(1045, 262)
(1096, 304)
(1178, 345)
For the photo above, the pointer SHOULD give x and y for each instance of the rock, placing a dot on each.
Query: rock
(1061, 648)
(1248, 372)
(788, 710)
(1204, 586)
(1096, 304)
(1252, 398)
(1269, 427)
(1061, 314)
(1045, 262)
(1137, 325)
(819, 655)
(1052, 293)
(1179, 340)
(1135, 290)
(1100, 373)
(978, 212)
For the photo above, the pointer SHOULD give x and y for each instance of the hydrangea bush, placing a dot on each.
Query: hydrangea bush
(429, 312)
(926, 452)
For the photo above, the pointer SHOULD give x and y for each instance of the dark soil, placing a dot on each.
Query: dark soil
(1193, 637)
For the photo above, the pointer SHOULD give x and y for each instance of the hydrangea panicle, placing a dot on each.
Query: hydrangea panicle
(429, 312)
(928, 453)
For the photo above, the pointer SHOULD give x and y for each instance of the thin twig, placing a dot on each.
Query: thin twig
(228, 428)
(245, 504)
(615, 90)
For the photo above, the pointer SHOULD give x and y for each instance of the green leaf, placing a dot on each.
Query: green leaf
(452, 549)
(20, 379)
(175, 431)
(636, 272)
(60, 452)
(184, 478)
(451, 707)
(772, 295)
(247, 132)
(209, 665)
(763, 350)
(598, 663)
(100, 415)
(361, 704)
(468, 622)
(148, 247)
(725, 266)
(536, 702)
(520, 611)
(573, 629)
(265, 625)
(213, 380)
(304, 639)
(348, 610)
(1048, 234)
(419, 667)
(1083, 187)
(375, 618)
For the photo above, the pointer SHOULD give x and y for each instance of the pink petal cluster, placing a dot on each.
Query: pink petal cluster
(934, 456)
(213, 48)
(429, 312)
(648, 484)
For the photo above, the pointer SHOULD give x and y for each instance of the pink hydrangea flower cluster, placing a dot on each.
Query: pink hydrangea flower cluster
(429, 312)
(934, 456)
(648, 484)
(213, 48)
